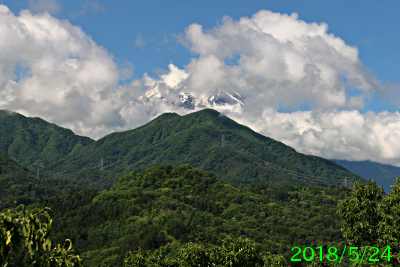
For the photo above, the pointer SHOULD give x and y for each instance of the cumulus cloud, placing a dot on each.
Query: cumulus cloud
(277, 61)
(53, 70)
(345, 134)
(286, 60)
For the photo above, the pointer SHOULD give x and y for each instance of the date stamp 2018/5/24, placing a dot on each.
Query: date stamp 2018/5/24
(309, 254)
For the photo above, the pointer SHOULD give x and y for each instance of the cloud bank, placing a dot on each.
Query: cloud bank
(52, 69)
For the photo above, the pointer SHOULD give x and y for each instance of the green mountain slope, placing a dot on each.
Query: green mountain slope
(383, 174)
(167, 206)
(19, 184)
(196, 139)
(34, 142)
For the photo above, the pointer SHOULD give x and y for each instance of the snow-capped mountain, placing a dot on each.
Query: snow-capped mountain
(190, 100)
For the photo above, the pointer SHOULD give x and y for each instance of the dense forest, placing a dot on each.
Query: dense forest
(183, 216)
(168, 206)
(19, 184)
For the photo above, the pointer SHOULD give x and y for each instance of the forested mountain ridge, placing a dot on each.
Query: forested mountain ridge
(19, 184)
(34, 142)
(204, 139)
(168, 206)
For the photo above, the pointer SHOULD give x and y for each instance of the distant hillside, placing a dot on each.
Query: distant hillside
(383, 174)
(204, 139)
(34, 142)
(19, 184)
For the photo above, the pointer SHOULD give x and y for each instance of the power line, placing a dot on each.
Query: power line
(250, 156)
(307, 177)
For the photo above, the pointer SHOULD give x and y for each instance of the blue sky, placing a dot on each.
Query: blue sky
(326, 82)
(371, 26)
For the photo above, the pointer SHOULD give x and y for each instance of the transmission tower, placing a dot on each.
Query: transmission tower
(101, 164)
(222, 140)
(345, 182)
(46, 190)
(38, 171)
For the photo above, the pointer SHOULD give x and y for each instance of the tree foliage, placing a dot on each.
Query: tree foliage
(233, 252)
(373, 219)
(19, 184)
(25, 240)
(168, 206)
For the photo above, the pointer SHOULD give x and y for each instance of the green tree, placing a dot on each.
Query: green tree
(371, 219)
(233, 252)
(25, 240)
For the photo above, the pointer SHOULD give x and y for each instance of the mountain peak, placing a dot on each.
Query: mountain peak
(193, 118)
(180, 97)
(205, 139)
(206, 112)
(5, 112)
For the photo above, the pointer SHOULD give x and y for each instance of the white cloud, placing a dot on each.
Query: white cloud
(279, 61)
(51, 69)
(282, 61)
(174, 77)
(289, 61)
(37, 6)
(346, 134)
